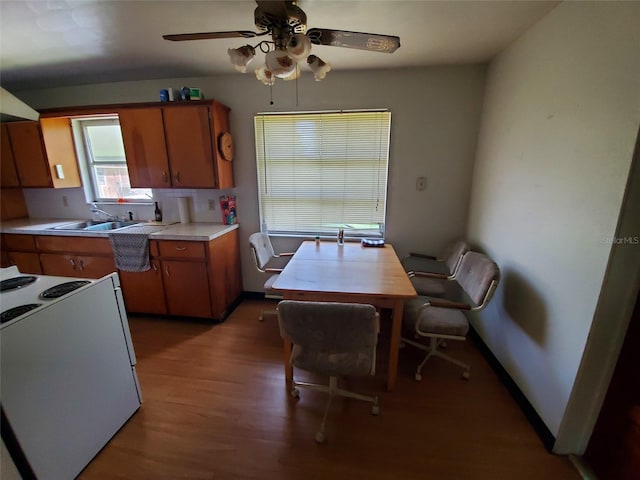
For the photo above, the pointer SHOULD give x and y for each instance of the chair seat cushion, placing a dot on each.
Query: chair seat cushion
(350, 363)
(442, 321)
(268, 285)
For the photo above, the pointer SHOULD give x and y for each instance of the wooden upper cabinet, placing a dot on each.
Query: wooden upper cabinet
(188, 136)
(60, 152)
(144, 145)
(44, 153)
(8, 172)
(28, 151)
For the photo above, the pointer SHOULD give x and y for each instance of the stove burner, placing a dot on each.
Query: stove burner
(16, 282)
(63, 289)
(15, 312)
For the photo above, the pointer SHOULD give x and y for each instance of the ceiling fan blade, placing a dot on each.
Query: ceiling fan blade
(179, 37)
(359, 40)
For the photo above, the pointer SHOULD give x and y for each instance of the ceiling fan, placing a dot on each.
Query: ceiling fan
(290, 41)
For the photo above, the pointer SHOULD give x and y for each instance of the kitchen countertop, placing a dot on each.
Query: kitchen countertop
(175, 231)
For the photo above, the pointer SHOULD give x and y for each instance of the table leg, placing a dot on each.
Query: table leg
(394, 347)
(288, 369)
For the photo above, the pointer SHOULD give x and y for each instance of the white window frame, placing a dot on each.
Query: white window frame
(344, 160)
(86, 161)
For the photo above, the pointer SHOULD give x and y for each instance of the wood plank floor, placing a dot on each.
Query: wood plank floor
(215, 407)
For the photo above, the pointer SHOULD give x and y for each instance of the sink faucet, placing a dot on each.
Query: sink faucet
(110, 217)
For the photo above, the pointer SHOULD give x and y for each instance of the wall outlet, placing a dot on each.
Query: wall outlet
(421, 183)
(212, 204)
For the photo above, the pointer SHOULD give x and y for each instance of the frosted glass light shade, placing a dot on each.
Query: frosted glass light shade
(280, 63)
(299, 46)
(240, 57)
(264, 75)
(319, 67)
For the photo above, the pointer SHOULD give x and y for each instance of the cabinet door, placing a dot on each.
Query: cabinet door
(27, 262)
(145, 148)
(57, 136)
(28, 151)
(82, 266)
(57, 264)
(225, 271)
(188, 134)
(186, 287)
(95, 267)
(8, 172)
(143, 291)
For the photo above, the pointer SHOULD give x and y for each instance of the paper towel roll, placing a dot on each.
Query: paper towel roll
(183, 209)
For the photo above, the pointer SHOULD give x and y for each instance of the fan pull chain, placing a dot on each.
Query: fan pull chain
(297, 75)
(271, 94)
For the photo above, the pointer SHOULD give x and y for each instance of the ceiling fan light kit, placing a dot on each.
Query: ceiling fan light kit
(290, 42)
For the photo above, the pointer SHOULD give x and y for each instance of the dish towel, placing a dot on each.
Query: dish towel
(131, 247)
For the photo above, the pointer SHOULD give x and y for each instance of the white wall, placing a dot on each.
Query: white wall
(559, 122)
(435, 118)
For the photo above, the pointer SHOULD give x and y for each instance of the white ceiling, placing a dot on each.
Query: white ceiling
(71, 42)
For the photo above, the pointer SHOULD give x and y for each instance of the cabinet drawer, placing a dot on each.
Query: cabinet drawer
(182, 249)
(18, 243)
(94, 246)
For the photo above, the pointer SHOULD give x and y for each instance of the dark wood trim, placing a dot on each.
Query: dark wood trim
(548, 440)
(113, 108)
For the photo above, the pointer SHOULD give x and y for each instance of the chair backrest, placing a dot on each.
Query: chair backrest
(452, 254)
(262, 249)
(478, 276)
(329, 327)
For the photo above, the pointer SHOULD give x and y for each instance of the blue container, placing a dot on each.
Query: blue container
(164, 95)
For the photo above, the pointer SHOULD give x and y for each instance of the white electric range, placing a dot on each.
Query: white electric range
(68, 378)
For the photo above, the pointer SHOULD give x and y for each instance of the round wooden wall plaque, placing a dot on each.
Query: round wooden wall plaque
(225, 145)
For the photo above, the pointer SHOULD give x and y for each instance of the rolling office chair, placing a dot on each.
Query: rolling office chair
(335, 339)
(428, 274)
(441, 320)
(267, 261)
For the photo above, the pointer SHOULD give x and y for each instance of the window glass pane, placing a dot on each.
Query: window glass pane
(323, 171)
(106, 143)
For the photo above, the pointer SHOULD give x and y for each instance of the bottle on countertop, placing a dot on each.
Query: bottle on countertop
(157, 213)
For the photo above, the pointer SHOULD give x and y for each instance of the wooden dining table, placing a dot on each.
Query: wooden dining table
(351, 273)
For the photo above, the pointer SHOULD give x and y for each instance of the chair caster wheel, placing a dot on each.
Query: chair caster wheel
(466, 374)
(375, 410)
(320, 437)
(418, 376)
(295, 393)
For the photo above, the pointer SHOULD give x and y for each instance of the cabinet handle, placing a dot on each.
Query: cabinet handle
(164, 177)
(178, 177)
(155, 267)
(166, 269)
(73, 263)
(81, 265)
(181, 249)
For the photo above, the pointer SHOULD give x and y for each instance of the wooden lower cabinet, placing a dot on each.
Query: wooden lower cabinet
(20, 250)
(83, 257)
(186, 288)
(27, 262)
(187, 278)
(74, 265)
(143, 291)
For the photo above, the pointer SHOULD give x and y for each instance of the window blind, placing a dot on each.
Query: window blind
(318, 172)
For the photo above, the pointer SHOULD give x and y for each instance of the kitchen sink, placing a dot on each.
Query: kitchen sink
(95, 225)
(110, 225)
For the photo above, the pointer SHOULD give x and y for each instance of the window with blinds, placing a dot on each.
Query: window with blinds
(318, 172)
